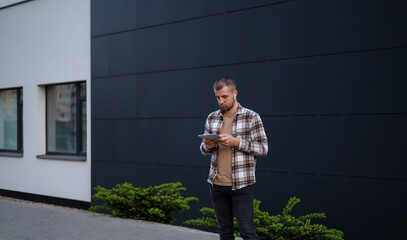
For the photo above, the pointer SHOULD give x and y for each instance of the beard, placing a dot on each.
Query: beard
(227, 108)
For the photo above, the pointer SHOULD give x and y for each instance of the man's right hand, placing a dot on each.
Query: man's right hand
(210, 143)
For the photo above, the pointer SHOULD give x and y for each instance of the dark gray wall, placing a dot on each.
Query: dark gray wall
(329, 79)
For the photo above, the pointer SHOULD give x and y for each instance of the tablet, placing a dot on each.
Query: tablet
(209, 136)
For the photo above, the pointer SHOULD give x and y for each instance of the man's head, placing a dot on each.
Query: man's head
(225, 92)
(224, 82)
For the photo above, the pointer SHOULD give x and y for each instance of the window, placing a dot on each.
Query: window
(66, 119)
(11, 125)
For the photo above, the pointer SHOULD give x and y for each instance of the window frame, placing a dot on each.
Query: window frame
(79, 126)
(19, 151)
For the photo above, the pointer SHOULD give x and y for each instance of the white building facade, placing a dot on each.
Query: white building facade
(45, 98)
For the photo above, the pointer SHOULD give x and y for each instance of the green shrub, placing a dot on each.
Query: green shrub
(157, 203)
(279, 227)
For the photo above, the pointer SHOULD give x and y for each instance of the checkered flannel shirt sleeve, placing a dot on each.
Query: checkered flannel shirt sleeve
(256, 143)
(209, 129)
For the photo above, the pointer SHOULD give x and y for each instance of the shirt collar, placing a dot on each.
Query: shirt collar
(239, 110)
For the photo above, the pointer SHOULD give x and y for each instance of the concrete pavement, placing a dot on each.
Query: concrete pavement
(35, 221)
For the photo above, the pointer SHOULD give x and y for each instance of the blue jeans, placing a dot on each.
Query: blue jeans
(239, 203)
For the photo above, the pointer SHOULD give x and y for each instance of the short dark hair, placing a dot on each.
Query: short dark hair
(224, 81)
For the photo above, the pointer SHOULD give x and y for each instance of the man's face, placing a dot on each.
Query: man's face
(225, 98)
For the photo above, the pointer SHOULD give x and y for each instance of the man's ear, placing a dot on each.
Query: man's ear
(235, 93)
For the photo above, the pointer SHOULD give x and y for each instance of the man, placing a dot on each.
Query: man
(233, 163)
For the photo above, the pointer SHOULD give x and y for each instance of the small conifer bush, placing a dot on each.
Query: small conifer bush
(156, 204)
(279, 227)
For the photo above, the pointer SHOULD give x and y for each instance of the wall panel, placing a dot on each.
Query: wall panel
(328, 80)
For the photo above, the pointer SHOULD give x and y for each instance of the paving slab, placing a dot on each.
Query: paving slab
(37, 221)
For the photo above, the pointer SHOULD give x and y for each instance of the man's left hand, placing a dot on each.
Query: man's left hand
(228, 140)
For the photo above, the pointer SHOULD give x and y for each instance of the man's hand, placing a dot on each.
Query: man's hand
(210, 143)
(228, 140)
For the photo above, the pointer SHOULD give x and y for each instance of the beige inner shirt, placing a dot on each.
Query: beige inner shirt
(224, 158)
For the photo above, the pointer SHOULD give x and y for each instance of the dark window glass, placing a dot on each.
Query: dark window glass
(11, 120)
(66, 115)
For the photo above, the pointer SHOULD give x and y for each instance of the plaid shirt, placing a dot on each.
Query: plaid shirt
(248, 127)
